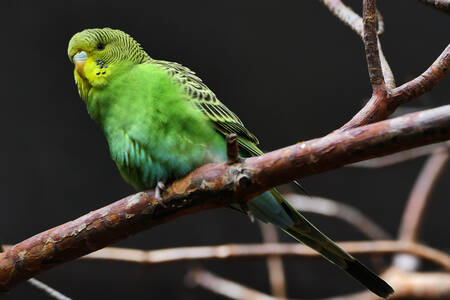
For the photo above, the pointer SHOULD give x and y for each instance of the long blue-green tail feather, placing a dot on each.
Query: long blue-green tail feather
(271, 207)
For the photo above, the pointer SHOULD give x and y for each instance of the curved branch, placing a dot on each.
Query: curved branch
(371, 42)
(218, 184)
(380, 105)
(264, 250)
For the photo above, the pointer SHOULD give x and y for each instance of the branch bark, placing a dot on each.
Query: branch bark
(355, 22)
(370, 38)
(218, 184)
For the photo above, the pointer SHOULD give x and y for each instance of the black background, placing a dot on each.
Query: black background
(289, 69)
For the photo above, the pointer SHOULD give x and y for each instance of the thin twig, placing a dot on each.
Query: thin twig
(380, 107)
(389, 160)
(355, 22)
(274, 263)
(420, 195)
(370, 39)
(224, 287)
(218, 184)
(47, 289)
(347, 213)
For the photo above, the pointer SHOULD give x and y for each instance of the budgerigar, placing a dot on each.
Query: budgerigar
(161, 122)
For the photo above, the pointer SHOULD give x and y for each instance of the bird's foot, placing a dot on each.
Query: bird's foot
(160, 186)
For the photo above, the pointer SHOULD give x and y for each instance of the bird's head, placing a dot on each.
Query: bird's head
(96, 53)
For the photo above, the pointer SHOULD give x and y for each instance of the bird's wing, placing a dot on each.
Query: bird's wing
(225, 121)
(271, 207)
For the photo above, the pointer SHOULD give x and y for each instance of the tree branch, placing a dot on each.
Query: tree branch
(218, 184)
(263, 250)
(370, 39)
(355, 22)
(380, 106)
(420, 195)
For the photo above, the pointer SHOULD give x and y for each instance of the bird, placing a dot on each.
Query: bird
(161, 121)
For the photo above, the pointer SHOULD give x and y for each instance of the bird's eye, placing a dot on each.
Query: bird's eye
(100, 46)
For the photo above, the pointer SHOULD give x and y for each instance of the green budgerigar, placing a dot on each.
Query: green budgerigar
(161, 122)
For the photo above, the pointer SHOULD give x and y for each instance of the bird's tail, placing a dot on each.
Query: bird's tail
(271, 207)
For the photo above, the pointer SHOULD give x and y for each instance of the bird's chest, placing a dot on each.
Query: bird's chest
(146, 157)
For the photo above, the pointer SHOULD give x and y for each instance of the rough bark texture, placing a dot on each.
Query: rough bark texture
(216, 185)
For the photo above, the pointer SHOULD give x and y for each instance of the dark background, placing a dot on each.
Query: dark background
(289, 69)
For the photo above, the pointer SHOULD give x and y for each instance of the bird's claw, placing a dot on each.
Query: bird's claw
(160, 186)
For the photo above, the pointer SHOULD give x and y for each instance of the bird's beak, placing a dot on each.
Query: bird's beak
(79, 60)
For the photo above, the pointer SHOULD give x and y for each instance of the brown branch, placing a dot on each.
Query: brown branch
(232, 148)
(218, 184)
(407, 286)
(370, 39)
(381, 106)
(263, 250)
(423, 83)
(420, 195)
(441, 4)
(355, 22)
(37, 284)
(225, 287)
(274, 263)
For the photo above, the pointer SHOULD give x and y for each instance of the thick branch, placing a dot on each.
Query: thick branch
(216, 185)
